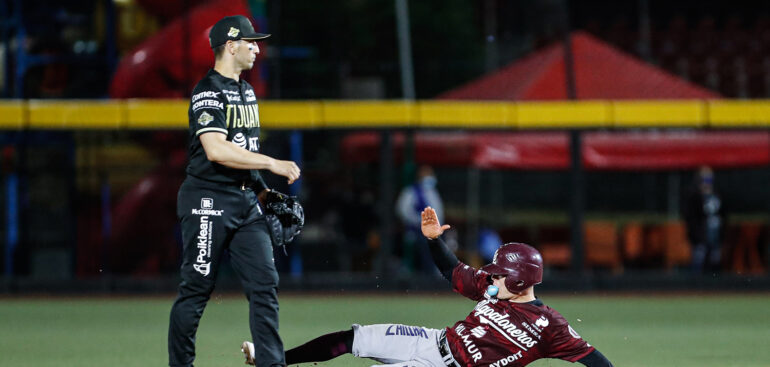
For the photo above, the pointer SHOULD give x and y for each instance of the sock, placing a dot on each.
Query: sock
(322, 348)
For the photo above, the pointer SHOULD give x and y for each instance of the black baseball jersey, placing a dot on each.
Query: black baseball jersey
(225, 106)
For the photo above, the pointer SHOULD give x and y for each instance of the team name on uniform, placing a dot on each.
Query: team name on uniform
(240, 116)
(506, 327)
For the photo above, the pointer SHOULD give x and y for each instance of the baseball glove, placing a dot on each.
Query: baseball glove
(285, 216)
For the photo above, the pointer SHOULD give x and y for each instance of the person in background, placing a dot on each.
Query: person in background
(704, 215)
(410, 203)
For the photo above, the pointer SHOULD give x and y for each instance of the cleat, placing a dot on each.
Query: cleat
(248, 351)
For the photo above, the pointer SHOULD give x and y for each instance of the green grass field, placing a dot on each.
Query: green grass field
(713, 330)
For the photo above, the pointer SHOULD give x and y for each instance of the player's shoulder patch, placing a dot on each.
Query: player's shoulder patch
(205, 118)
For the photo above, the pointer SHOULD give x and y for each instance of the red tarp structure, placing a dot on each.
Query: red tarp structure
(601, 72)
(550, 150)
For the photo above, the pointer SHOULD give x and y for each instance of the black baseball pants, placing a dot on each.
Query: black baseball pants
(215, 217)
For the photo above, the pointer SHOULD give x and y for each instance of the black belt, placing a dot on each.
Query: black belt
(446, 353)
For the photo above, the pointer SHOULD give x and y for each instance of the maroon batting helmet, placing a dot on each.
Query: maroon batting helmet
(520, 263)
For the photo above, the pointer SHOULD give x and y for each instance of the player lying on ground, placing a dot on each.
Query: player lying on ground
(508, 327)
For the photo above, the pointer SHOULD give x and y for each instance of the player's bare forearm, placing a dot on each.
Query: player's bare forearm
(230, 155)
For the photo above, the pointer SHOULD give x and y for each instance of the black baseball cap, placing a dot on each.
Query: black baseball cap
(233, 28)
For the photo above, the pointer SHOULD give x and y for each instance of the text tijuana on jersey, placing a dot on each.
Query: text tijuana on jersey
(240, 116)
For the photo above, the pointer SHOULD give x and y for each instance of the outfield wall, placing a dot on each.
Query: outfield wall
(172, 114)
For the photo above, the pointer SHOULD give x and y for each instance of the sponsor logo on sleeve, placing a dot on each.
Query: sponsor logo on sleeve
(204, 119)
(208, 103)
(205, 94)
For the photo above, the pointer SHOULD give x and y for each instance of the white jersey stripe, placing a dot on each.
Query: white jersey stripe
(502, 332)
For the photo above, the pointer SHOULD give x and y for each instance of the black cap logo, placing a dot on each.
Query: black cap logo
(233, 28)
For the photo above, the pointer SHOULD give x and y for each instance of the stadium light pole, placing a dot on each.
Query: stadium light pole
(405, 49)
(387, 176)
(577, 179)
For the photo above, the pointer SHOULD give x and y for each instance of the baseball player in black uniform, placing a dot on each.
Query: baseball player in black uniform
(218, 203)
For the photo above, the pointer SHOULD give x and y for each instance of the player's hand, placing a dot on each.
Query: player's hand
(431, 228)
(286, 169)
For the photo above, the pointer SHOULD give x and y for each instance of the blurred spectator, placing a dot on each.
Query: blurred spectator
(411, 201)
(489, 242)
(704, 214)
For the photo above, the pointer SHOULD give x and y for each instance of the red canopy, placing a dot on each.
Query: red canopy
(601, 72)
(550, 150)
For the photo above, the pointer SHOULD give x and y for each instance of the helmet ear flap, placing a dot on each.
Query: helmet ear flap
(514, 283)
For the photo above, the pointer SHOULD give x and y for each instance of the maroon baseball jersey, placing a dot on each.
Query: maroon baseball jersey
(500, 333)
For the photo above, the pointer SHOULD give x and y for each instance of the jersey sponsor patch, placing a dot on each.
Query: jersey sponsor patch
(205, 94)
(542, 322)
(207, 208)
(205, 118)
(208, 103)
(202, 262)
(468, 344)
(505, 361)
(240, 140)
(479, 331)
(232, 95)
(250, 97)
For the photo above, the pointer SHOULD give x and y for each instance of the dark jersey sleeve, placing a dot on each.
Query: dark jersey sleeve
(207, 110)
(595, 359)
(444, 258)
(469, 281)
(565, 342)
